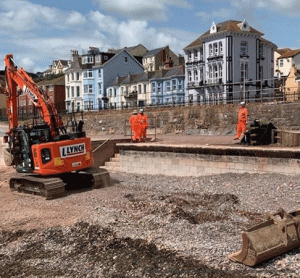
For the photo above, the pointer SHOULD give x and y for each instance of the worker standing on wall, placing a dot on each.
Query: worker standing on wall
(242, 121)
(144, 124)
(135, 126)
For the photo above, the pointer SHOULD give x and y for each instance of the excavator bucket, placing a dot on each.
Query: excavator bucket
(278, 234)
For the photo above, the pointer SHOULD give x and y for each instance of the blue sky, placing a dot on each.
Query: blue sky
(38, 32)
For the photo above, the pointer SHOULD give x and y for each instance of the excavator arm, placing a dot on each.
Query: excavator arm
(16, 77)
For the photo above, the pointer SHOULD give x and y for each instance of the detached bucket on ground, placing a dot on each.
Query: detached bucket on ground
(278, 234)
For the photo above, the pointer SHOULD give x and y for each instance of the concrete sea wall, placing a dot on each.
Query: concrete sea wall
(206, 120)
(206, 160)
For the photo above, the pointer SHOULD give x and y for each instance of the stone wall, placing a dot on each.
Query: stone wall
(201, 161)
(208, 120)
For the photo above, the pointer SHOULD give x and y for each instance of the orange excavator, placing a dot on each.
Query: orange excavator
(48, 159)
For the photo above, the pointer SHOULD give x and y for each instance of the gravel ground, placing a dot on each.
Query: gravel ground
(144, 226)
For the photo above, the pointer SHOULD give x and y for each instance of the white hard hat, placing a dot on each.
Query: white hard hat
(141, 110)
(135, 112)
(242, 103)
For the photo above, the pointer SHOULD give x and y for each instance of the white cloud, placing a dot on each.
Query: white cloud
(287, 7)
(142, 9)
(216, 14)
(30, 31)
(20, 16)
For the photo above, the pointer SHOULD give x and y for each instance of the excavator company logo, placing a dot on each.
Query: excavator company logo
(31, 94)
(72, 150)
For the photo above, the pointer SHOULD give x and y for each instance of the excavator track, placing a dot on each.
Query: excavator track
(100, 177)
(56, 187)
(46, 187)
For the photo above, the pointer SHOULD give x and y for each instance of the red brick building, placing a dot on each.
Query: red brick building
(56, 91)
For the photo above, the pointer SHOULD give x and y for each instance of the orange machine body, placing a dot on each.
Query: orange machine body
(59, 157)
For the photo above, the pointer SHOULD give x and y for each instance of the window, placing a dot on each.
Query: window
(189, 55)
(77, 91)
(281, 63)
(180, 85)
(88, 60)
(50, 88)
(100, 88)
(215, 49)
(201, 73)
(139, 89)
(68, 92)
(88, 89)
(105, 58)
(145, 88)
(88, 74)
(210, 73)
(215, 73)
(168, 86)
(77, 75)
(195, 54)
(189, 76)
(173, 85)
(115, 92)
(220, 71)
(196, 75)
(277, 63)
(210, 50)
(153, 87)
(99, 73)
(261, 50)
(244, 48)
(72, 76)
(244, 71)
(126, 59)
(72, 91)
(68, 78)
(98, 58)
(220, 47)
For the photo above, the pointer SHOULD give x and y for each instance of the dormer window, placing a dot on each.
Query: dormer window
(244, 26)
(213, 28)
(98, 58)
(88, 59)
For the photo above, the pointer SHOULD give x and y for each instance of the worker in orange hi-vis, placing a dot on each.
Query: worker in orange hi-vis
(144, 124)
(242, 121)
(135, 126)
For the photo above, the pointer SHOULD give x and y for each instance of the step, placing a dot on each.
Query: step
(111, 168)
(115, 159)
(111, 163)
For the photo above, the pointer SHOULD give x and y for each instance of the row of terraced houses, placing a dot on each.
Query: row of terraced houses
(231, 62)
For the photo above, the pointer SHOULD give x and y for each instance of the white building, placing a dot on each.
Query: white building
(230, 62)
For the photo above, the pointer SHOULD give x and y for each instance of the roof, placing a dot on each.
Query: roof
(128, 79)
(56, 81)
(75, 64)
(281, 51)
(117, 81)
(153, 52)
(115, 56)
(226, 26)
(129, 49)
(290, 54)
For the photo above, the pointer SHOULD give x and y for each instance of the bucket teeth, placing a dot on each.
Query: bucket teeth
(275, 236)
